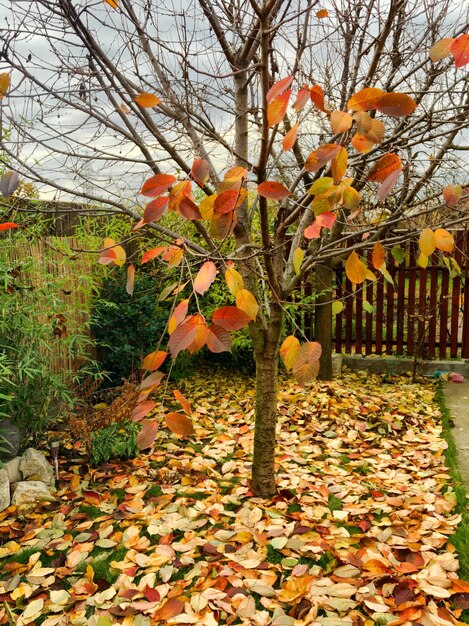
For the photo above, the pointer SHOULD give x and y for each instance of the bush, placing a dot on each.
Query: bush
(116, 441)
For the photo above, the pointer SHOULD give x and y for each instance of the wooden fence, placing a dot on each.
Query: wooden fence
(424, 313)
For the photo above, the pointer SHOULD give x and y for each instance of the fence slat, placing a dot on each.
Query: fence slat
(400, 313)
(390, 314)
(412, 275)
(379, 314)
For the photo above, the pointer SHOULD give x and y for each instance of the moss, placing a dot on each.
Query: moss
(92, 512)
(274, 556)
(154, 492)
(334, 503)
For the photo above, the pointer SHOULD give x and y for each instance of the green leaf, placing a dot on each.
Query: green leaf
(337, 307)
(367, 306)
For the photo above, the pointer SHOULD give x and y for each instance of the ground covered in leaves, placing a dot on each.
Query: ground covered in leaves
(359, 533)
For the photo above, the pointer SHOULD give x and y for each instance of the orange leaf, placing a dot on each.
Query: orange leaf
(316, 93)
(322, 13)
(158, 184)
(183, 335)
(8, 226)
(179, 424)
(339, 165)
(306, 364)
(146, 437)
(247, 303)
(375, 132)
(112, 3)
(355, 269)
(279, 87)
(451, 194)
(147, 100)
(441, 49)
(444, 240)
(277, 108)
(142, 409)
(129, 287)
(427, 243)
(321, 156)
(151, 381)
(365, 99)
(200, 170)
(273, 190)
(4, 83)
(460, 50)
(173, 255)
(301, 99)
(184, 402)
(218, 339)
(178, 315)
(155, 209)
(313, 231)
(152, 254)
(201, 334)
(379, 255)
(289, 350)
(396, 104)
(230, 318)
(205, 277)
(226, 201)
(154, 360)
(340, 121)
(222, 225)
(327, 219)
(290, 138)
(188, 208)
(361, 143)
(387, 164)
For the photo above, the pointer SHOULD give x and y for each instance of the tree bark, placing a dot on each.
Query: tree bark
(323, 319)
(263, 469)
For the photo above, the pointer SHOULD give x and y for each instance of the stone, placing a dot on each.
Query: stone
(10, 439)
(34, 465)
(30, 492)
(13, 469)
(4, 490)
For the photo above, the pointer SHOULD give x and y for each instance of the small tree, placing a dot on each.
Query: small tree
(305, 109)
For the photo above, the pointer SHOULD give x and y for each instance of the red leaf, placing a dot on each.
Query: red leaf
(230, 318)
(388, 184)
(107, 256)
(326, 219)
(273, 190)
(218, 339)
(222, 225)
(200, 338)
(155, 209)
(226, 201)
(387, 164)
(8, 225)
(183, 335)
(188, 209)
(151, 381)
(129, 287)
(321, 156)
(152, 254)
(205, 277)
(147, 435)
(278, 88)
(316, 93)
(460, 50)
(158, 184)
(200, 170)
(186, 405)
(142, 409)
(451, 194)
(313, 231)
(396, 104)
(179, 424)
(277, 108)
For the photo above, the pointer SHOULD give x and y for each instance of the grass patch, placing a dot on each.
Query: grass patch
(334, 503)
(20, 557)
(460, 539)
(154, 492)
(92, 512)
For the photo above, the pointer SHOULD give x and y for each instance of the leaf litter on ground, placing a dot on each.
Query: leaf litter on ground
(359, 532)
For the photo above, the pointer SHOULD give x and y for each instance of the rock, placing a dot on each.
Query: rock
(4, 490)
(34, 464)
(9, 440)
(31, 491)
(13, 469)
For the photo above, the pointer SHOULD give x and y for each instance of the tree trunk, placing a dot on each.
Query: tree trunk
(263, 468)
(323, 319)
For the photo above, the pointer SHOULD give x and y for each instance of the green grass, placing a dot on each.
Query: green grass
(460, 540)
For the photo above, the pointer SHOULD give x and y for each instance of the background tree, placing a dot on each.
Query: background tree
(306, 107)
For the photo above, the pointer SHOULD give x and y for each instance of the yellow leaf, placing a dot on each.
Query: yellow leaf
(339, 165)
(147, 100)
(298, 256)
(422, 260)
(444, 240)
(427, 243)
(379, 255)
(234, 281)
(370, 275)
(120, 256)
(289, 350)
(355, 269)
(340, 121)
(206, 206)
(247, 303)
(321, 185)
(337, 307)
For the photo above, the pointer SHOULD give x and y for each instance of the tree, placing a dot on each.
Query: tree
(305, 108)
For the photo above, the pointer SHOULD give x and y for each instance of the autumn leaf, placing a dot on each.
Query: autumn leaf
(158, 184)
(444, 240)
(183, 335)
(112, 3)
(9, 183)
(129, 286)
(297, 258)
(321, 156)
(339, 165)
(234, 280)
(200, 170)
(355, 269)
(341, 121)
(142, 409)
(8, 226)
(316, 93)
(152, 254)
(321, 185)
(441, 49)
(218, 339)
(147, 100)
(155, 209)
(337, 307)
(326, 219)
(289, 350)
(154, 360)
(230, 318)
(306, 364)
(272, 190)
(351, 198)
(388, 184)
(290, 138)
(179, 424)
(278, 88)
(322, 13)
(302, 98)
(183, 401)
(205, 277)
(226, 201)
(146, 437)
(178, 315)
(313, 231)
(396, 104)
(427, 243)
(361, 143)
(277, 108)
(4, 84)
(375, 132)
(247, 303)
(385, 166)
(452, 194)
(460, 50)
(378, 255)
(365, 99)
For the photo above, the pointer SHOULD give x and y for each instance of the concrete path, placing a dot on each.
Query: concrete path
(457, 400)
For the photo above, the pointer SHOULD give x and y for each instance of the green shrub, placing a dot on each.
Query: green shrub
(116, 441)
